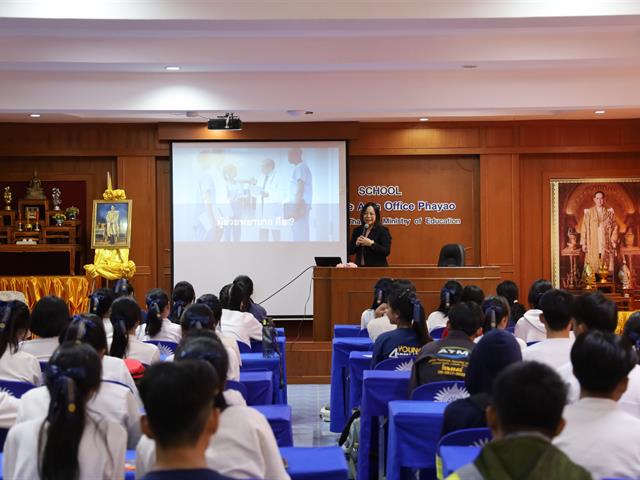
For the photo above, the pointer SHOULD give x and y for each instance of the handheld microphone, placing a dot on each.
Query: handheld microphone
(365, 227)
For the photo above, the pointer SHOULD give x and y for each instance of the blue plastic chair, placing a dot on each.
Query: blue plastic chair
(166, 348)
(363, 333)
(240, 387)
(15, 389)
(440, 391)
(43, 366)
(243, 347)
(399, 363)
(468, 437)
(436, 333)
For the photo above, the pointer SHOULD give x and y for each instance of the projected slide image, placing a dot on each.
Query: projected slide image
(256, 194)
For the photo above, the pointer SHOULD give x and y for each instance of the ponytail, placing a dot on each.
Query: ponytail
(418, 321)
(403, 300)
(450, 294)
(197, 316)
(125, 315)
(14, 319)
(86, 328)
(183, 295)
(100, 301)
(72, 375)
(176, 310)
(494, 309)
(236, 297)
(157, 300)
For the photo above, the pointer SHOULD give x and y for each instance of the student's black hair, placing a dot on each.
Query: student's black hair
(376, 209)
(529, 396)
(449, 295)
(205, 345)
(404, 301)
(177, 400)
(225, 299)
(49, 317)
(509, 290)
(100, 301)
(197, 316)
(381, 292)
(183, 294)
(465, 317)
(86, 328)
(595, 311)
(235, 297)
(125, 314)
(536, 291)
(556, 307)
(246, 286)
(157, 300)
(211, 301)
(472, 293)
(73, 373)
(494, 309)
(123, 288)
(14, 323)
(601, 360)
(631, 331)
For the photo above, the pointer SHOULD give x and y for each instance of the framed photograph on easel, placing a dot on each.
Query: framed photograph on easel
(111, 224)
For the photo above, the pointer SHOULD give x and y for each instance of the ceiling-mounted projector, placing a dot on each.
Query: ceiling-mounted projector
(228, 121)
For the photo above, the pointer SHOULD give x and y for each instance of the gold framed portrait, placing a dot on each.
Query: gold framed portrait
(595, 232)
(111, 224)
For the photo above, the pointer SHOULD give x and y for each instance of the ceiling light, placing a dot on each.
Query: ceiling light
(424, 119)
(34, 115)
(468, 67)
(172, 69)
(228, 121)
(600, 112)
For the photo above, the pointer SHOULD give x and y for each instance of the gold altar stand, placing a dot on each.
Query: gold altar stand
(73, 289)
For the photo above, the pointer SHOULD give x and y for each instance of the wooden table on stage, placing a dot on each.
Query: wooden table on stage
(71, 250)
(341, 294)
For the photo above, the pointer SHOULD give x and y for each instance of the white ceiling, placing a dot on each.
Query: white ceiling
(87, 61)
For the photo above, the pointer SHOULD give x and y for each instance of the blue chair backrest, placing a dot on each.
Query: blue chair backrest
(436, 333)
(240, 387)
(43, 366)
(468, 437)
(15, 389)
(398, 363)
(440, 391)
(166, 348)
(243, 347)
(3, 437)
(364, 333)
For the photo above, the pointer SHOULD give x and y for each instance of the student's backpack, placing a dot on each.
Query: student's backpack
(350, 441)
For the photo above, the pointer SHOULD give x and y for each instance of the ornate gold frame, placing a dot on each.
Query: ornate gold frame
(94, 224)
(555, 217)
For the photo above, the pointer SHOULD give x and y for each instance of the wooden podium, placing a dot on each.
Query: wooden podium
(341, 294)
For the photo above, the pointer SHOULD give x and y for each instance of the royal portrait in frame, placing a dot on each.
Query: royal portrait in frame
(111, 224)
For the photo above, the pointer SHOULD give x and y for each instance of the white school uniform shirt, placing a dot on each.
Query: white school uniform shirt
(233, 372)
(368, 315)
(630, 400)
(108, 330)
(230, 342)
(112, 402)
(169, 332)
(234, 397)
(435, 320)
(241, 325)
(100, 453)
(243, 447)
(529, 328)
(115, 370)
(555, 352)
(602, 438)
(41, 348)
(145, 353)
(378, 326)
(573, 386)
(20, 366)
(8, 410)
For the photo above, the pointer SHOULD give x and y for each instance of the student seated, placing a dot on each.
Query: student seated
(556, 317)
(200, 317)
(509, 290)
(49, 318)
(494, 352)
(405, 311)
(125, 319)
(180, 418)
(158, 326)
(65, 441)
(241, 325)
(525, 414)
(182, 296)
(115, 400)
(16, 365)
(378, 310)
(244, 445)
(495, 311)
(248, 305)
(630, 400)
(529, 328)
(449, 295)
(100, 301)
(229, 341)
(447, 359)
(599, 435)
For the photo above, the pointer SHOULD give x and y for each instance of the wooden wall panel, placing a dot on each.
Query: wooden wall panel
(137, 176)
(163, 222)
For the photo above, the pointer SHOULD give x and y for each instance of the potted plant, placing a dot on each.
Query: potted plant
(59, 218)
(72, 212)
